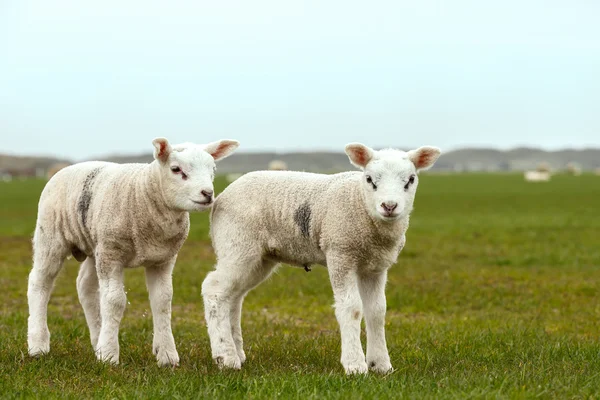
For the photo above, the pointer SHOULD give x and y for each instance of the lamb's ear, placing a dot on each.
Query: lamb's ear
(359, 154)
(424, 157)
(162, 149)
(222, 148)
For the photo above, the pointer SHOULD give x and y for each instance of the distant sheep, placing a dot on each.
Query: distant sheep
(573, 169)
(111, 217)
(352, 222)
(537, 176)
(277, 165)
(54, 168)
(544, 167)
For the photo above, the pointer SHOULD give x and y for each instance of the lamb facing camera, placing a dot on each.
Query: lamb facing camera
(113, 216)
(354, 223)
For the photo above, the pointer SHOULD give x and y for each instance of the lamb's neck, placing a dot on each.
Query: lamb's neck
(400, 224)
(150, 185)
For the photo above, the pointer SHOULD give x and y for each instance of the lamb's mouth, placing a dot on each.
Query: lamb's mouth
(389, 217)
(203, 203)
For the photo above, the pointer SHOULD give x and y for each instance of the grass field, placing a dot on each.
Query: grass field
(496, 294)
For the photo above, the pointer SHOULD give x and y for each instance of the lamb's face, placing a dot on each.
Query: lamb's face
(390, 182)
(390, 177)
(188, 170)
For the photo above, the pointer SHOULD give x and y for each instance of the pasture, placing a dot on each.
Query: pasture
(496, 294)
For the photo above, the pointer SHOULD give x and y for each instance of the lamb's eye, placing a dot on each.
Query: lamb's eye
(411, 180)
(370, 181)
(177, 170)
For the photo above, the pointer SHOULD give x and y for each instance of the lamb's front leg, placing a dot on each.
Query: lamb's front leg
(112, 306)
(348, 311)
(372, 293)
(160, 289)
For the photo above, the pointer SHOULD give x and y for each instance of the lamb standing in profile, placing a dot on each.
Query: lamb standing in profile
(111, 216)
(354, 223)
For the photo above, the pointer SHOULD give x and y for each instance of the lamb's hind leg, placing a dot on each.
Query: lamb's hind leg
(235, 312)
(47, 262)
(235, 320)
(223, 291)
(89, 297)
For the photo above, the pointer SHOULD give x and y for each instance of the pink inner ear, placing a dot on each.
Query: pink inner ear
(163, 149)
(219, 151)
(361, 156)
(424, 159)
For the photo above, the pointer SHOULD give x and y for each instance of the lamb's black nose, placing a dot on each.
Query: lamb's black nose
(207, 193)
(389, 206)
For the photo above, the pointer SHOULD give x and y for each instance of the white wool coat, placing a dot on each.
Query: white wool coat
(113, 211)
(302, 219)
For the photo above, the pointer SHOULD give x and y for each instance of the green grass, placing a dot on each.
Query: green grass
(495, 295)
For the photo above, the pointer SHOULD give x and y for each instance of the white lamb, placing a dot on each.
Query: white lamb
(112, 216)
(537, 176)
(354, 223)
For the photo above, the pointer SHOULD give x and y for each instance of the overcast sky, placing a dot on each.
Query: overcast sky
(80, 79)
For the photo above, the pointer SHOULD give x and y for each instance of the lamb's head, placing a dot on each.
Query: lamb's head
(390, 177)
(187, 171)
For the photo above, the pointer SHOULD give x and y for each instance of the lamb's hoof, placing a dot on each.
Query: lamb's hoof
(356, 368)
(167, 358)
(39, 350)
(242, 356)
(38, 342)
(228, 362)
(381, 367)
(107, 356)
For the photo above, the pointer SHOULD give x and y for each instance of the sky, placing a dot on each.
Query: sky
(81, 79)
